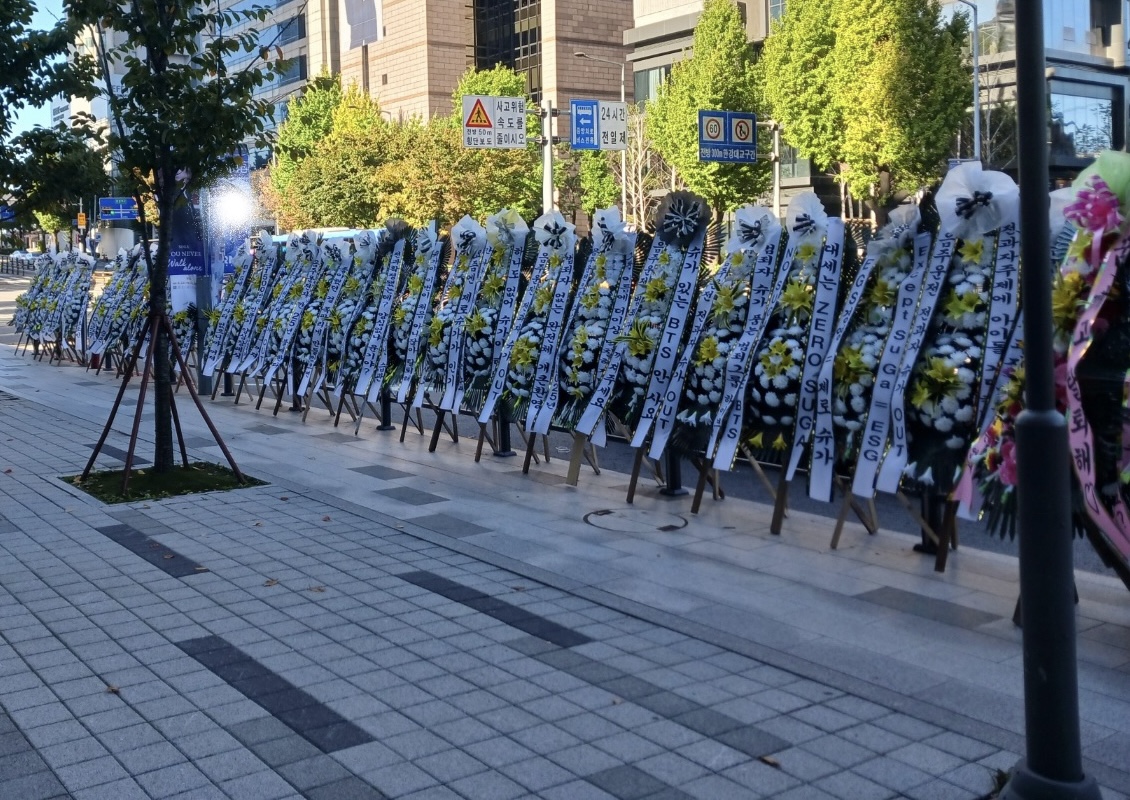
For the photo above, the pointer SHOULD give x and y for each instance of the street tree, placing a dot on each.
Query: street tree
(309, 120)
(57, 168)
(874, 90)
(336, 183)
(718, 74)
(647, 173)
(177, 114)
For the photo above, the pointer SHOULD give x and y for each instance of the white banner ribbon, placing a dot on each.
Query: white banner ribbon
(819, 339)
(824, 433)
(890, 473)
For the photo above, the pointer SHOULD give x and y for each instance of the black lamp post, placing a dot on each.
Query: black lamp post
(1052, 768)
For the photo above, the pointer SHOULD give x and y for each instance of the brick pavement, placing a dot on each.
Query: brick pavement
(290, 641)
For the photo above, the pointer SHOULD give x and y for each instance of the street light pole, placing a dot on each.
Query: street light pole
(1053, 766)
(976, 81)
(624, 152)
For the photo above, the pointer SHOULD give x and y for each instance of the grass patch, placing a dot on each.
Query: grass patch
(145, 484)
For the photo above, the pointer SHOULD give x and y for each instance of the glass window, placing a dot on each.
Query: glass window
(295, 71)
(1081, 124)
(776, 10)
(508, 32)
(792, 165)
(647, 82)
(291, 31)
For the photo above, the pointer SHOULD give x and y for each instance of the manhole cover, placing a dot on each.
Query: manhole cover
(634, 520)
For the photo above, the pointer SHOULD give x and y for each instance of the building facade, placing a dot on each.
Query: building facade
(422, 47)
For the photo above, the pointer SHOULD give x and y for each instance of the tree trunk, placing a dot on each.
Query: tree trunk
(158, 295)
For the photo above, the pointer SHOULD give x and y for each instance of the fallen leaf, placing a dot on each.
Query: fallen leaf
(326, 518)
(258, 525)
(316, 589)
(8, 471)
(113, 690)
(770, 761)
(168, 556)
(271, 582)
(284, 497)
(617, 701)
(518, 588)
(199, 568)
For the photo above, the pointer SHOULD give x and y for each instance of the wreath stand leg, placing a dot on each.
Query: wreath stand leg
(869, 520)
(636, 463)
(576, 455)
(780, 502)
(706, 474)
(947, 536)
(484, 436)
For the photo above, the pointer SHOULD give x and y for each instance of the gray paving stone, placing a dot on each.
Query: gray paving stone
(399, 779)
(125, 789)
(805, 793)
(488, 785)
(61, 755)
(501, 750)
(172, 780)
(206, 743)
(940, 790)
(626, 782)
(926, 758)
(903, 725)
(349, 788)
(20, 764)
(231, 764)
(576, 790)
(36, 786)
(801, 763)
(713, 787)
(263, 729)
(284, 750)
(91, 773)
(312, 772)
(260, 786)
(672, 768)
(892, 773)
(450, 765)
(874, 738)
(849, 786)
(149, 757)
(960, 746)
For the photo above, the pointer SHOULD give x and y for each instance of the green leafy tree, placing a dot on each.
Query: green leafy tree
(33, 69)
(871, 89)
(57, 168)
(51, 222)
(309, 120)
(598, 184)
(176, 116)
(336, 183)
(719, 75)
(795, 73)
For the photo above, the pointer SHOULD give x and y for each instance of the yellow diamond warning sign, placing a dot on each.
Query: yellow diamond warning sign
(478, 117)
(494, 121)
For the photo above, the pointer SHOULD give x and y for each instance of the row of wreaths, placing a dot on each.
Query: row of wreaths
(899, 367)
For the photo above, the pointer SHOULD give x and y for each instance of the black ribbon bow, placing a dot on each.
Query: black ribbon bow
(607, 239)
(804, 224)
(466, 239)
(556, 235)
(966, 207)
(750, 234)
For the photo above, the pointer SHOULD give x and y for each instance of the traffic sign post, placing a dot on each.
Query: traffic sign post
(81, 220)
(113, 209)
(7, 214)
(584, 125)
(728, 137)
(494, 122)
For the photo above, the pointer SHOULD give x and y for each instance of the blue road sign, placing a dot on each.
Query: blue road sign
(583, 130)
(729, 137)
(117, 208)
(6, 214)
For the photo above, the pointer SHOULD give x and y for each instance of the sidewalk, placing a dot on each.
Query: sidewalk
(384, 621)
